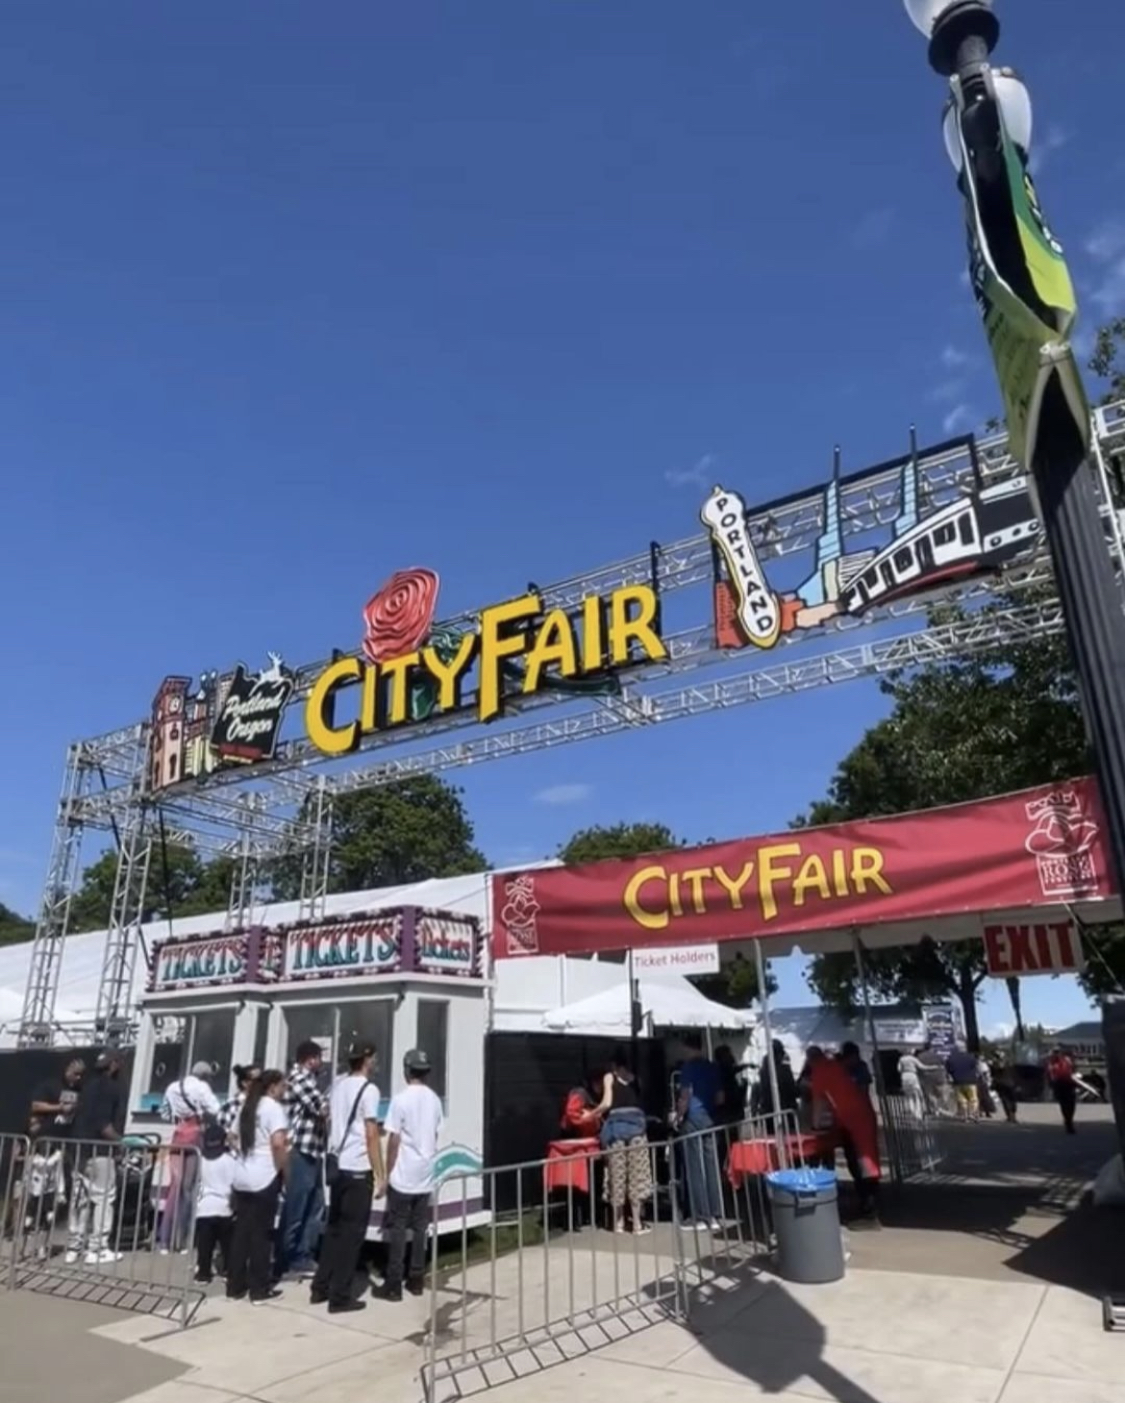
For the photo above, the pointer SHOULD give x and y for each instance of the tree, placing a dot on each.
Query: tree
(958, 731)
(735, 985)
(179, 884)
(623, 840)
(397, 833)
(1108, 360)
(14, 930)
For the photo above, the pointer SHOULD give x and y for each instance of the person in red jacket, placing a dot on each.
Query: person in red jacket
(832, 1084)
(1060, 1074)
(580, 1117)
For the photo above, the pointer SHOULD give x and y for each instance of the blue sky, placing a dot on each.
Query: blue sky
(295, 295)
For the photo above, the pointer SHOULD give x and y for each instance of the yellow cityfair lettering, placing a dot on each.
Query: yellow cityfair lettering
(321, 706)
(645, 916)
(602, 633)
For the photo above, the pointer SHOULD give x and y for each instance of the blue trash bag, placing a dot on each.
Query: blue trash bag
(802, 1182)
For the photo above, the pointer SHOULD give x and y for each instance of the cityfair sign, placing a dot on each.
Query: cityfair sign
(407, 670)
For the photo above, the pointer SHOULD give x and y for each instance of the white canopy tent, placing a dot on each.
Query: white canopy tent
(669, 1002)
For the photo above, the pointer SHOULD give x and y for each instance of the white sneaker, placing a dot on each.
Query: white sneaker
(716, 1225)
(70, 1258)
(98, 1258)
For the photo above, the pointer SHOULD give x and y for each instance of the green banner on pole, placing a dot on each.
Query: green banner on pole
(1023, 289)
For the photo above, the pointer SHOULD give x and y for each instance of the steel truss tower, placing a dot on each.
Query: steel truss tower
(281, 812)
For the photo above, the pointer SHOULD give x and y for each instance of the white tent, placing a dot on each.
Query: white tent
(670, 1002)
(82, 955)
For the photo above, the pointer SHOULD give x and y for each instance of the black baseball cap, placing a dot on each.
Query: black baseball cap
(417, 1060)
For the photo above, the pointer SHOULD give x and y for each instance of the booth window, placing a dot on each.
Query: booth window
(337, 1026)
(261, 1038)
(184, 1039)
(433, 1037)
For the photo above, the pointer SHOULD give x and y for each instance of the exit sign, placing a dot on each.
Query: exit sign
(1040, 947)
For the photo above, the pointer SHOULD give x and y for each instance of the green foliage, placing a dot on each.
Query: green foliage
(179, 884)
(623, 840)
(1108, 360)
(14, 930)
(1007, 719)
(399, 833)
(405, 832)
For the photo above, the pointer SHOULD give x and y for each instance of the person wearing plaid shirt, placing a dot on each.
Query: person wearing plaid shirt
(307, 1109)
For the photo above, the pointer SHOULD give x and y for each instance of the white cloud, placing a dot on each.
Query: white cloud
(1053, 140)
(953, 359)
(698, 475)
(564, 794)
(957, 418)
(964, 279)
(946, 391)
(874, 229)
(1106, 247)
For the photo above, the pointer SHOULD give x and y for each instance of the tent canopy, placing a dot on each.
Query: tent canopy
(670, 1003)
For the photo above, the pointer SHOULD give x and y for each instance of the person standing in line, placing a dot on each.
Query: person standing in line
(355, 1159)
(624, 1137)
(307, 1109)
(260, 1166)
(214, 1214)
(414, 1123)
(1060, 1075)
(699, 1102)
(961, 1064)
(189, 1104)
(855, 1123)
(232, 1107)
(910, 1074)
(98, 1118)
(984, 1088)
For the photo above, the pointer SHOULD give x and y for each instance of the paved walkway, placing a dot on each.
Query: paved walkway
(877, 1337)
(983, 1290)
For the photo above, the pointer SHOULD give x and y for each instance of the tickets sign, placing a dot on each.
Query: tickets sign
(371, 945)
(213, 959)
(444, 945)
(1043, 947)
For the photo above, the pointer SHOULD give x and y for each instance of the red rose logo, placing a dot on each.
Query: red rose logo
(398, 618)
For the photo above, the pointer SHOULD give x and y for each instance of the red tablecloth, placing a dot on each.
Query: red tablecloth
(760, 1156)
(568, 1164)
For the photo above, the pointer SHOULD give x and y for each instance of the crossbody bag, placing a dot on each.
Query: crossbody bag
(332, 1159)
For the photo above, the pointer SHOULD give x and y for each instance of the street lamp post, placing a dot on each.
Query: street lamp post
(1026, 299)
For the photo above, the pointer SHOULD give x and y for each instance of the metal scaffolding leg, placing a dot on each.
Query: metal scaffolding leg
(245, 873)
(37, 1022)
(114, 1017)
(317, 855)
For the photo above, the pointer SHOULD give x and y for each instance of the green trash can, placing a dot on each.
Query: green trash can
(806, 1221)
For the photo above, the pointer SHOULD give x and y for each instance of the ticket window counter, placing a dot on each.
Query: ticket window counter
(335, 1027)
(172, 1042)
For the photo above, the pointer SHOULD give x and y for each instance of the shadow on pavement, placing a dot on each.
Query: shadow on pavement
(785, 1348)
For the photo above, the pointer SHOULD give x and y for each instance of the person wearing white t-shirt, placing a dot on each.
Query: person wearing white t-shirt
(355, 1158)
(214, 1210)
(413, 1126)
(262, 1136)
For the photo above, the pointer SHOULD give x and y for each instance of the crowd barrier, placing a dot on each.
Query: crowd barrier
(913, 1147)
(550, 1278)
(112, 1223)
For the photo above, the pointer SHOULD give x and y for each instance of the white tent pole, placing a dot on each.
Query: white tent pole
(764, 1000)
(869, 1018)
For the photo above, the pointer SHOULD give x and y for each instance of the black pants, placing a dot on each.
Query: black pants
(866, 1189)
(1066, 1094)
(248, 1268)
(209, 1234)
(349, 1212)
(406, 1212)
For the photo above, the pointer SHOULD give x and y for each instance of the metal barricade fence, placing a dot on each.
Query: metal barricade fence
(913, 1148)
(555, 1268)
(108, 1222)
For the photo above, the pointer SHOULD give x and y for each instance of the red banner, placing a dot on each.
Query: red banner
(1014, 852)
